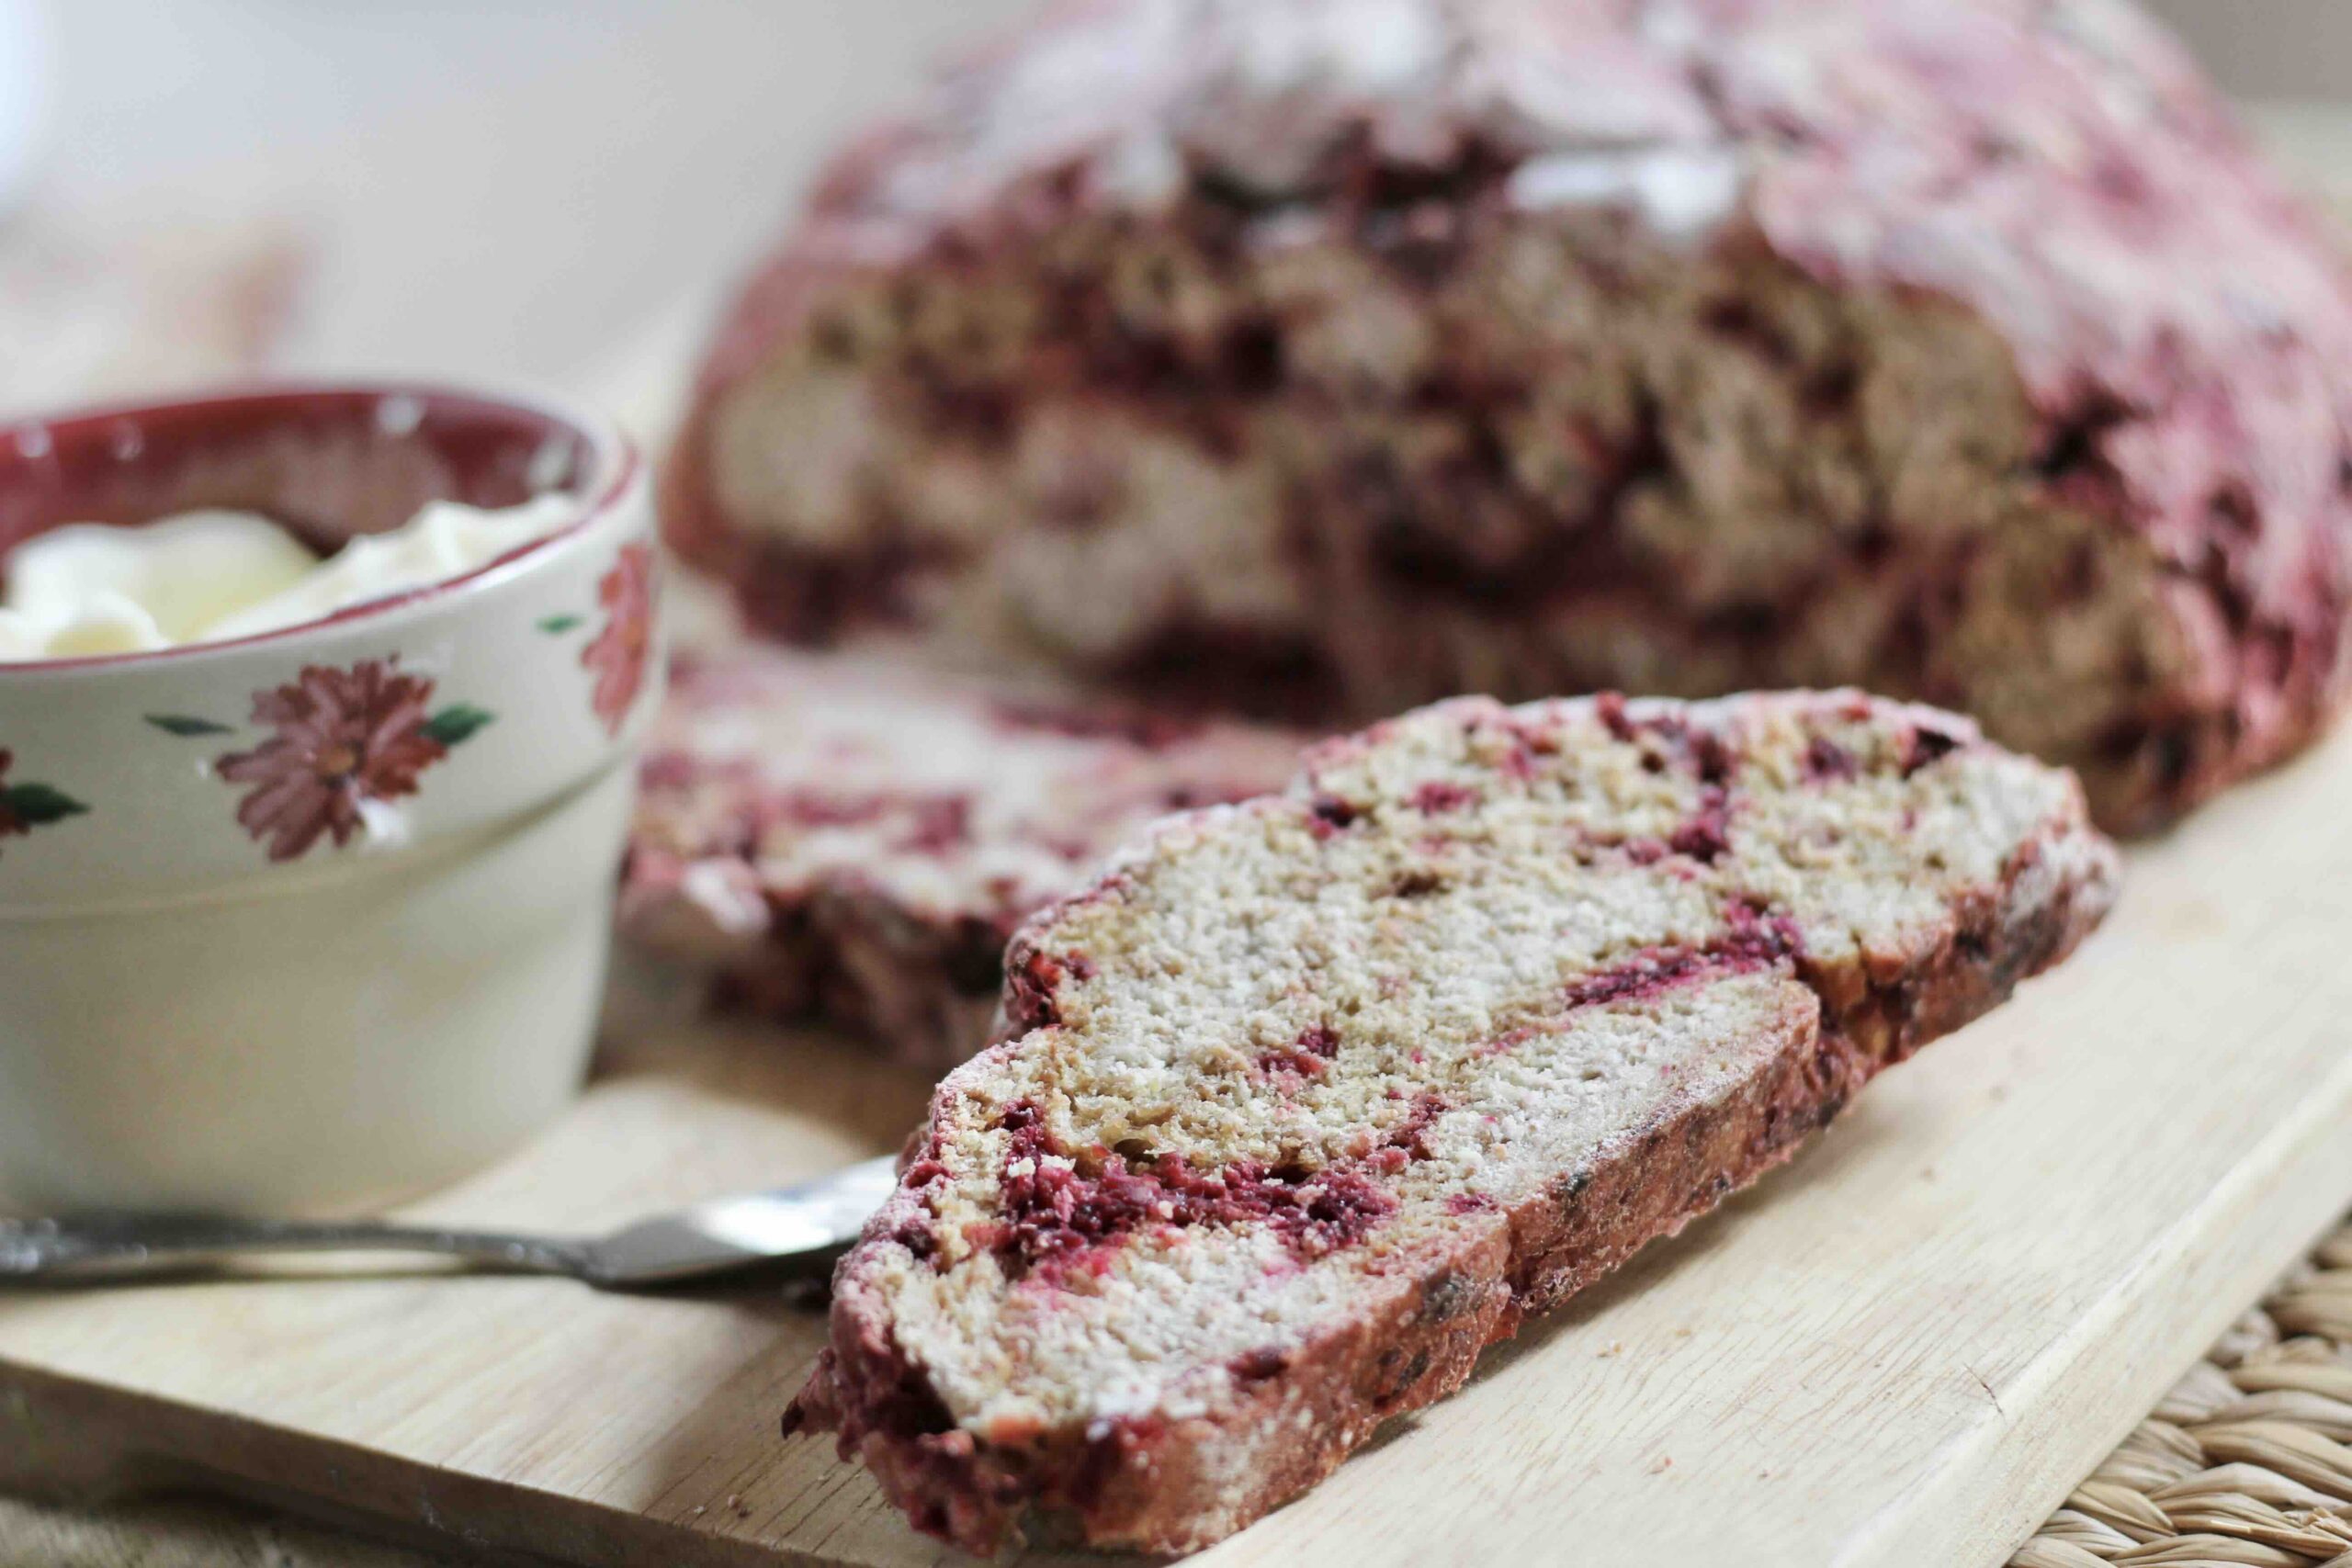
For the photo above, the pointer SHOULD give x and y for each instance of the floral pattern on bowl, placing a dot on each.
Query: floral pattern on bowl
(26, 806)
(619, 654)
(345, 744)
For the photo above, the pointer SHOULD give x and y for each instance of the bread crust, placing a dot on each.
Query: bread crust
(1176, 1484)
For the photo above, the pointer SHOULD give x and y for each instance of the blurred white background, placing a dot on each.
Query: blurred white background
(489, 188)
(2270, 49)
(517, 189)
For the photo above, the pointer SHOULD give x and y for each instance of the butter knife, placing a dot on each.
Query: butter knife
(709, 1241)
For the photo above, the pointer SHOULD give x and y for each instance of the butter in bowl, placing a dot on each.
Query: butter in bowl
(317, 712)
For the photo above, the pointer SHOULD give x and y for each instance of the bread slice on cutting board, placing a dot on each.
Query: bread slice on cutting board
(1307, 1100)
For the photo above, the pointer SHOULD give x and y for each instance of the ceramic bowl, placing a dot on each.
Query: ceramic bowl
(311, 919)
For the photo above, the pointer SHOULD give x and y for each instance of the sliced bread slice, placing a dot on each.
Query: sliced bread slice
(853, 839)
(1308, 1099)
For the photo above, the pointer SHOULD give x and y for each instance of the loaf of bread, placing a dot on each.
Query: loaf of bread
(1327, 356)
(854, 840)
(1305, 1100)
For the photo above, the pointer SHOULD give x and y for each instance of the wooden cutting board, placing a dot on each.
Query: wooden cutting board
(1903, 1349)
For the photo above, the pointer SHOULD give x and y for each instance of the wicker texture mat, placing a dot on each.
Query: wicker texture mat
(2245, 1462)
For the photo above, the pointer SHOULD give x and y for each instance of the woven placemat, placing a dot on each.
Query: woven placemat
(2244, 1463)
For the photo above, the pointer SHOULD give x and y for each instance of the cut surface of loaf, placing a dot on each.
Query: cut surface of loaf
(1308, 1099)
(1335, 355)
(838, 838)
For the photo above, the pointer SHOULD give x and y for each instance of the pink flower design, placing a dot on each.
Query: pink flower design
(346, 739)
(619, 652)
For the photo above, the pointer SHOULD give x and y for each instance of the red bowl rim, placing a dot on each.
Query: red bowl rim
(613, 469)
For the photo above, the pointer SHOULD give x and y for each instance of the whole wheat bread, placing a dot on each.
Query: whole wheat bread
(1308, 1099)
(1329, 356)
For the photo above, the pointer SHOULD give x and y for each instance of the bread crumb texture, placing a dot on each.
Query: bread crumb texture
(1308, 1097)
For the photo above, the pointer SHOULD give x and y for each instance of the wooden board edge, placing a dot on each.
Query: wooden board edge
(2092, 1386)
(85, 1443)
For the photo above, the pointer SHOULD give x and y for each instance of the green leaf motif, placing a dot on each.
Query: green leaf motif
(555, 625)
(184, 725)
(37, 806)
(454, 724)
